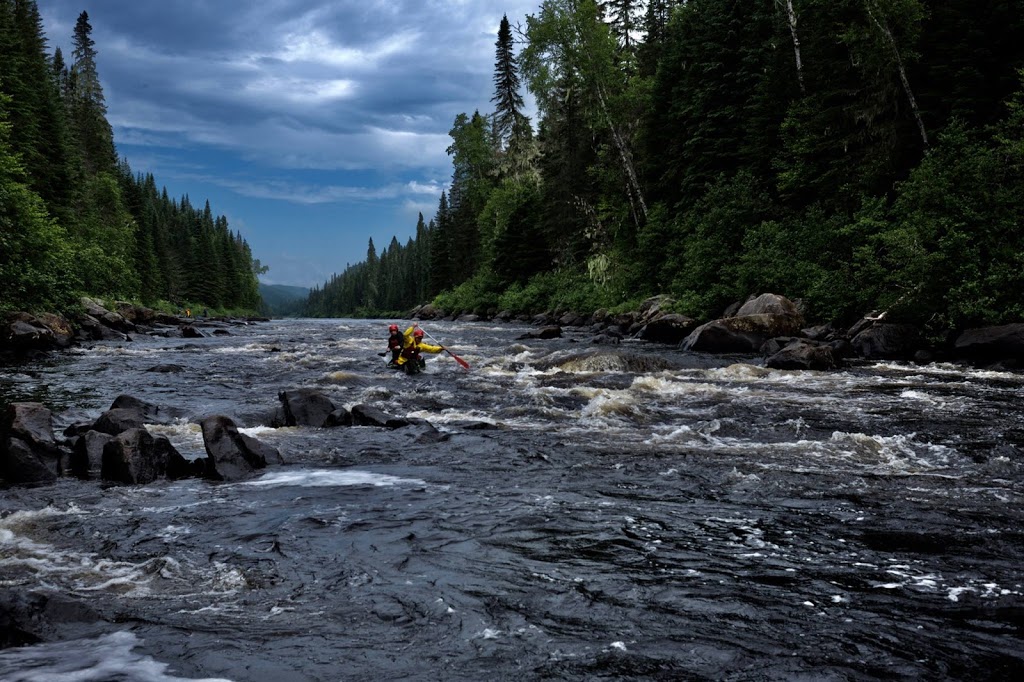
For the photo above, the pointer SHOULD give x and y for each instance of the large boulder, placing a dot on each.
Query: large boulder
(655, 306)
(802, 354)
(741, 334)
(108, 318)
(87, 454)
(92, 329)
(152, 414)
(887, 341)
(670, 328)
(305, 407)
(136, 314)
(233, 455)
(136, 457)
(992, 344)
(119, 420)
(24, 333)
(769, 304)
(29, 454)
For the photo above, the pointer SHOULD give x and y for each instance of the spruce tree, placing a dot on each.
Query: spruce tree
(508, 101)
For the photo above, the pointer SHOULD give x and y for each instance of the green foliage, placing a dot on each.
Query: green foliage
(817, 155)
(479, 294)
(952, 251)
(73, 221)
(35, 262)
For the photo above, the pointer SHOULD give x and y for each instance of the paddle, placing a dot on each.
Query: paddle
(462, 363)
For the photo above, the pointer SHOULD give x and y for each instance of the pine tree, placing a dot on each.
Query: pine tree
(88, 106)
(508, 101)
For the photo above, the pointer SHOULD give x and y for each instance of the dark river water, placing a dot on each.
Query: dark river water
(587, 513)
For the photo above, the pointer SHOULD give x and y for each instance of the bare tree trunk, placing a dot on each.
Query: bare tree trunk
(903, 72)
(624, 152)
(791, 13)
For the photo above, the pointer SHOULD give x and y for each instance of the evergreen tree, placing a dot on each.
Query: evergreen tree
(88, 106)
(508, 101)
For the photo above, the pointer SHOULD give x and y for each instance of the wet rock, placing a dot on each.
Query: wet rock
(305, 407)
(119, 420)
(190, 332)
(992, 344)
(340, 417)
(233, 455)
(29, 454)
(137, 457)
(24, 333)
(153, 414)
(887, 341)
(469, 317)
(91, 329)
(670, 328)
(802, 354)
(553, 332)
(87, 454)
(367, 415)
(740, 334)
(30, 617)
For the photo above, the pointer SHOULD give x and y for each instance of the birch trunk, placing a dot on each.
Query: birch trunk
(884, 28)
(791, 13)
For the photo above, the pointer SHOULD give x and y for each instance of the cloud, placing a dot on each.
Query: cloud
(337, 109)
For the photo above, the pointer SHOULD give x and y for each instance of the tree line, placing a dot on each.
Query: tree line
(74, 219)
(854, 154)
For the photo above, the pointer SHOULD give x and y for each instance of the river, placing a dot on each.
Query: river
(586, 512)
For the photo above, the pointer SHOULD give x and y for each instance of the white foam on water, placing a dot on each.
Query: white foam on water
(28, 559)
(327, 478)
(105, 658)
(259, 348)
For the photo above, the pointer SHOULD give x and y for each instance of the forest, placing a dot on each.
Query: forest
(855, 155)
(74, 219)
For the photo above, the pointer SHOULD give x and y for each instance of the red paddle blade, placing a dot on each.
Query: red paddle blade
(462, 363)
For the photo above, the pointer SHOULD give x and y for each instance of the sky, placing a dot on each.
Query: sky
(312, 125)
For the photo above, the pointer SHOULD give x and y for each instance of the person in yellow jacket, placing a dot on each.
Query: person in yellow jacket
(411, 359)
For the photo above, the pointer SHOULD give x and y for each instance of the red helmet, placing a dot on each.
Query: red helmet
(418, 333)
(393, 328)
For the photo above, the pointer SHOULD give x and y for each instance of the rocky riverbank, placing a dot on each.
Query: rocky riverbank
(24, 335)
(774, 327)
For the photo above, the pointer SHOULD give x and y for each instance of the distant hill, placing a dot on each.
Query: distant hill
(282, 300)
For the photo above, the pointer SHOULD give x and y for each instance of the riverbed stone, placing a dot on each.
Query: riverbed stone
(367, 415)
(670, 328)
(232, 455)
(136, 457)
(29, 454)
(887, 341)
(741, 334)
(992, 344)
(118, 421)
(87, 454)
(802, 354)
(305, 407)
